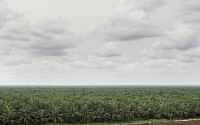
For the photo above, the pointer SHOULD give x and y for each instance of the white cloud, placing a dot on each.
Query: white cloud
(96, 62)
(181, 38)
(106, 57)
(108, 50)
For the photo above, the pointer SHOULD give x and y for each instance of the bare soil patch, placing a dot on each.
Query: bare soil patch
(180, 122)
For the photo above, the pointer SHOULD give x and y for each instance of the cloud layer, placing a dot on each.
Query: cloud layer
(134, 38)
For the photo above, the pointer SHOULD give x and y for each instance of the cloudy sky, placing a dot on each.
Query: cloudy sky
(100, 42)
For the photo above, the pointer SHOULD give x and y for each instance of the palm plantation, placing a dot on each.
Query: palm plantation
(40, 105)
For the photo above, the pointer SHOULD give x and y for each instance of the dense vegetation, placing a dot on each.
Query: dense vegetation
(37, 105)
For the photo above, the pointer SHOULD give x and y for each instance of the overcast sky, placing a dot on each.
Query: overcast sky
(100, 42)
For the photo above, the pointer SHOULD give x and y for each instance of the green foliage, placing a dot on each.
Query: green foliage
(39, 105)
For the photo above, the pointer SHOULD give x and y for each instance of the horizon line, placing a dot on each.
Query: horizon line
(104, 85)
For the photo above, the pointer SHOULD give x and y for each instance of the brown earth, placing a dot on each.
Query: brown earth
(181, 122)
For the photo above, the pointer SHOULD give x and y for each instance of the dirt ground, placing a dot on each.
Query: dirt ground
(183, 122)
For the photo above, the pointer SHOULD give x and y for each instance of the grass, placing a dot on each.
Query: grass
(111, 123)
(119, 123)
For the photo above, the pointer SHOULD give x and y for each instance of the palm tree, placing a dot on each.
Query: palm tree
(99, 115)
(127, 114)
(70, 113)
(40, 117)
(55, 115)
(9, 117)
(25, 115)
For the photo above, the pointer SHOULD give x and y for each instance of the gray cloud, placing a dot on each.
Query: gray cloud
(181, 38)
(191, 5)
(6, 14)
(49, 38)
(51, 52)
(130, 20)
(178, 46)
(190, 10)
(193, 53)
(17, 60)
(57, 25)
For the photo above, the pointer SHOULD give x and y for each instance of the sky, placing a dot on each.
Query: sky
(99, 42)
